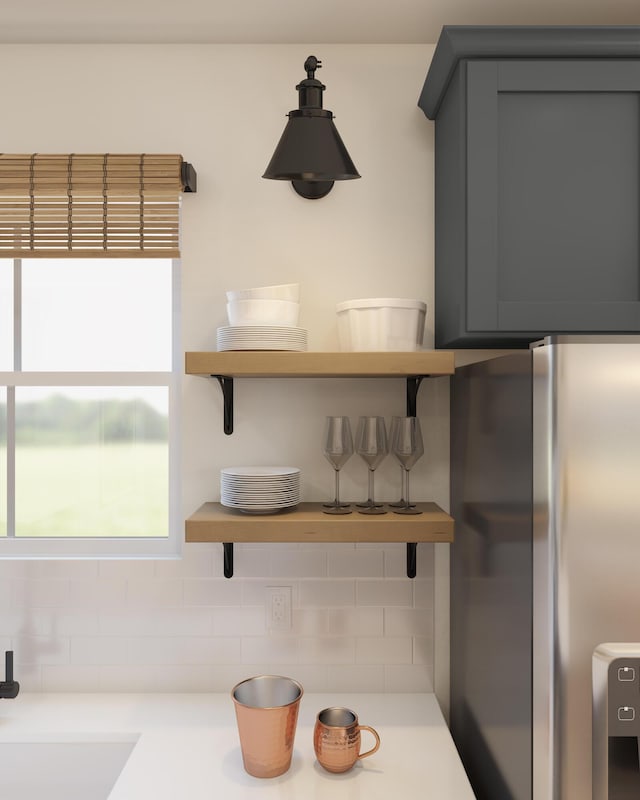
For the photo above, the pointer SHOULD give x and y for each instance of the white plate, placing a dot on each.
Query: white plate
(261, 337)
(259, 472)
(271, 330)
(259, 509)
(231, 490)
(270, 494)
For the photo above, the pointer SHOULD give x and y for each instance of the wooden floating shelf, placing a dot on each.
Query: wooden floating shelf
(213, 522)
(285, 364)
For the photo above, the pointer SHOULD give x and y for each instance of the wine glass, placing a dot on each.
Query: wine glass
(407, 446)
(401, 502)
(338, 449)
(372, 446)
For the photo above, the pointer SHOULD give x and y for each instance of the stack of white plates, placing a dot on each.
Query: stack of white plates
(260, 490)
(261, 337)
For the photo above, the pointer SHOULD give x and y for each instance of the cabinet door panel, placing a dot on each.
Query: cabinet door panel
(553, 196)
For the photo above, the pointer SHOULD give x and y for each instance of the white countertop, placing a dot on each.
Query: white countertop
(187, 746)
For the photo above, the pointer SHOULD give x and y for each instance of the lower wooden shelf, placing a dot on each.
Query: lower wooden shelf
(213, 522)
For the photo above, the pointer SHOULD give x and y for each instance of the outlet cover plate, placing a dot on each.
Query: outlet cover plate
(278, 607)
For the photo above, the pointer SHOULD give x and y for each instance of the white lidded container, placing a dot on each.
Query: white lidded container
(381, 323)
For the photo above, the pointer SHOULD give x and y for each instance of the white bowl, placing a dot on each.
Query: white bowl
(263, 312)
(381, 324)
(282, 291)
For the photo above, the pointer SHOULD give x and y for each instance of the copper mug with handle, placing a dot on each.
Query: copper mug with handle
(336, 739)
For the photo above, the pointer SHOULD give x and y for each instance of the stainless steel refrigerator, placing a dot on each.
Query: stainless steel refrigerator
(545, 491)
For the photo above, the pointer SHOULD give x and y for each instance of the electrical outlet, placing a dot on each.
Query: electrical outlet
(278, 602)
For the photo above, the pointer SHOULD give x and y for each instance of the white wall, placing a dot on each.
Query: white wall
(359, 623)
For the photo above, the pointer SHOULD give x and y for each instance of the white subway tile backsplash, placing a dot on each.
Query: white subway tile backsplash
(178, 625)
(40, 650)
(69, 678)
(197, 561)
(155, 650)
(240, 621)
(299, 564)
(384, 593)
(6, 593)
(310, 622)
(189, 677)
(327, 650)
(407, 678)
(183, 650)
(158, 593)
(48, 622)
(60, 622)
(356, 621)
(13, 620)
(29, 676)
(274, 649)
(327, 593)
(148, 622)
(58, 569)
(423, 592)
(101, 593)
(357, 678)
(423, 651)
(212, 592)
(34, 593)
(132, 678)
(136, 568)
(408, 622)
(356, 563)
(99, 650)
(384, 650)
(249, 563)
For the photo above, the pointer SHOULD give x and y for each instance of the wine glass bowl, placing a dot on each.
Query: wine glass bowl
(407, 446)
(372, 446)
(337, 449)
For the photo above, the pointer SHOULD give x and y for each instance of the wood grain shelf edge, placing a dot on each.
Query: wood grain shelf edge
(213, 522)
(283, 364)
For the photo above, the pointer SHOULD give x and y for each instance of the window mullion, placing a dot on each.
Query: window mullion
(11, 461)
(17, 314)
(11, 398)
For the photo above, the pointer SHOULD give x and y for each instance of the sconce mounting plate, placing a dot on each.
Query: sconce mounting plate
(312, 190)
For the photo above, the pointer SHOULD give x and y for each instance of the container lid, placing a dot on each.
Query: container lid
(381, 302)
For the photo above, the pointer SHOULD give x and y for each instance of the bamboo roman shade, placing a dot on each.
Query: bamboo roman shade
(96, 205)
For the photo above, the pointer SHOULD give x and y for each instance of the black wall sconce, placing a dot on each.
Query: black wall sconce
(310, 152)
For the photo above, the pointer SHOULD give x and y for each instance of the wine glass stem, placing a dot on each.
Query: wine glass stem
(406, 486)
(370, 500)
(337, 500)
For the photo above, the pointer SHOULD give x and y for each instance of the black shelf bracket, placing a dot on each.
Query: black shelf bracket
(226, 384)
(413, 384)
(412, 550)
(228, 559)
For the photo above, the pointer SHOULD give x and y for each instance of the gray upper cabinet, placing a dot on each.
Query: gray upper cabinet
(537, 183)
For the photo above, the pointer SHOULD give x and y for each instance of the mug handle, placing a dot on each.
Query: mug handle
(376, 737)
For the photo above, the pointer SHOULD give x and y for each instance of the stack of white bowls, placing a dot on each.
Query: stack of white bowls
(265, 305)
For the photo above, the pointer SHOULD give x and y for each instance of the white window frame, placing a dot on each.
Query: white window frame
(94, 547)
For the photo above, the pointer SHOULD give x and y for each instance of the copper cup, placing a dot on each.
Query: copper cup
(267, 713)
(336, 739)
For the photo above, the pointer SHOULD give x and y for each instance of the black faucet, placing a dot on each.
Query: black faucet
(8, 687)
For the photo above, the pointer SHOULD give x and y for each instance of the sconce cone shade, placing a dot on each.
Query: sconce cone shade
(310, 152)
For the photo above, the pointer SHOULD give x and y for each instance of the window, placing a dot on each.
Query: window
(89, 386)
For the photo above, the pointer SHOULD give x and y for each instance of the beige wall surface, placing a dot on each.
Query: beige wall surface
(358, 623)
